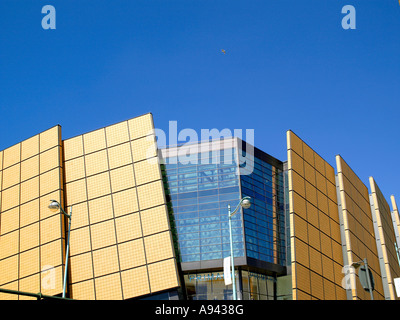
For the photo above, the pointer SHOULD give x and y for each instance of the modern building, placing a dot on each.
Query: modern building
(149, 223)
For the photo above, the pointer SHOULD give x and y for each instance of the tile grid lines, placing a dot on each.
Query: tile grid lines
(139, 212)
(88, 215)
(113, 212)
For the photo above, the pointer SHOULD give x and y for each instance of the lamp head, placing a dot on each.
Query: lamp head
(54, 205)
(246, 203)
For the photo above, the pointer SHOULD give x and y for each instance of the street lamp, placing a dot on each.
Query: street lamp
(367, 273)
(244, 203)
(54, 206)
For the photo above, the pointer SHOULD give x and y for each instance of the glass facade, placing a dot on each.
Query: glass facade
(211, 286)
(264, 221)
(200, 192)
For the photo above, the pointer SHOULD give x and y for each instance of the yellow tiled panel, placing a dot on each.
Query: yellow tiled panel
(100, 209)
(322, 202)
(329, 290)
(96, 162)
(298, 205)
(314, 237)
(80, 215)
(29, 168)
(324, 224)
(131, 254)
(319, 164)
(76, 191)
(98, 185)
(11, 176)
(119, 155)
(9, 244)
(135, 282)
(103, 234)
(326, 245)
(81, 268)
(29, 147)
(163, 275)
(317, 288)
(294, 143)
(9, 286)
(9, 221)
(303, 278)
(51, 229)
(51, 281)
(327, 268)
(122, 178)
(312, 214)
(147, 171)
(79, 241)
(51, 254)
(74, 169)
(154, 220)
(144, 148)
(141, 126)
(29, 190)
(11, 155)
(29, 262)
(151, 194)
(117, 133)
(29, 236)
(83, 290)
(315, 261)
(333, 210)
(300, 228)
(50, 181)
(308, 154)
(331, 191)
(125, 202)
(50, 138)
(73, 148)
(311, 194)
(1, 160)
(330, 173)
(29, 284)
(105, 261)
(309, 173)
(296, 183)
(109, 287)
(50, 159)
(158, 247)
(128, 227)
(302, 253)
(9, 269)
(94, 141)
(321, 183)
(10, 198)
(296, 163)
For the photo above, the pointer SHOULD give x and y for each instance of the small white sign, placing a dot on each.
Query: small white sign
(227, 271)
(397, 286)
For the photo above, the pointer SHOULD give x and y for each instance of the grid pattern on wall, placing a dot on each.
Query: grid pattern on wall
(200, 191)
(316, 251)
(121, 245)
(359, 237)
(31, 236)
(386, 239)
(264, 221)
(396, 224)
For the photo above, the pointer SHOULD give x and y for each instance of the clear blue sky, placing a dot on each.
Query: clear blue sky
(288, 65)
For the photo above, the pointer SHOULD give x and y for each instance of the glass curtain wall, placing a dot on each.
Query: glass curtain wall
(200, 191)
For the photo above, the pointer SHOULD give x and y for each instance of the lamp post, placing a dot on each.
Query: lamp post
(356, 265)
(244, 203)
(54, 206)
